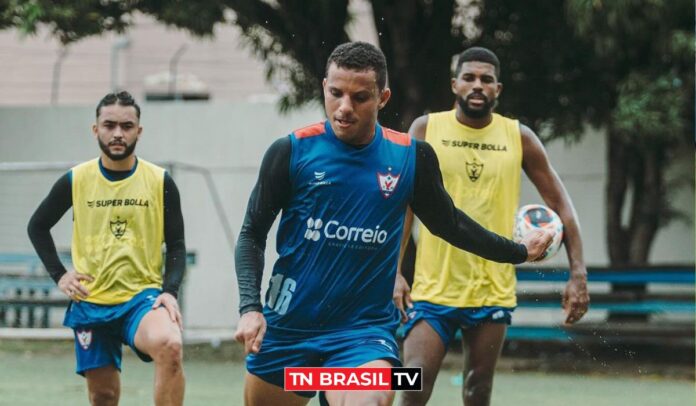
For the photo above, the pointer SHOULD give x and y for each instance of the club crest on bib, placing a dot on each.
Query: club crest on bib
(84, 337)
(387, 182)
(474, 169)
(118, 227)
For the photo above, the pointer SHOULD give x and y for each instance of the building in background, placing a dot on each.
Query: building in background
(37, 70)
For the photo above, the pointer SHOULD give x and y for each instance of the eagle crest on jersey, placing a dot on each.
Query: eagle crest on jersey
(387, 183)
(118, 227)
(474, 169)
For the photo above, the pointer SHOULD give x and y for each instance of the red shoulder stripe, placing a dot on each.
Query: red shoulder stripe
(310, 131)
(397, 137)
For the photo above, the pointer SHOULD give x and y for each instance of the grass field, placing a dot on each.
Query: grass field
(42, 374)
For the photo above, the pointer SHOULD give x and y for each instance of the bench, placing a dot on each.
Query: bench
(669, 315)
(28, 295)
(664, 304)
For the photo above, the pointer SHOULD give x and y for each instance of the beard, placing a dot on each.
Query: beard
(128, 151)
(479, 112)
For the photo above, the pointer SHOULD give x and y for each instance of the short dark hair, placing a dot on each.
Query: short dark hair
(478, 54)
(360, 56)
(121, 98)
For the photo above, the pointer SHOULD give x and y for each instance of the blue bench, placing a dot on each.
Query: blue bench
(26, 290)
(546, 295)
(29, 295)
(627, 302)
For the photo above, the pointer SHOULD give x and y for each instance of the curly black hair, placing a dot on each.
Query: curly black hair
(360, 56)
(122, 98)
(478, 54)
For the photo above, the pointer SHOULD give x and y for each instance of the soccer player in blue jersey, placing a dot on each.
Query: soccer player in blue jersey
(343, 187)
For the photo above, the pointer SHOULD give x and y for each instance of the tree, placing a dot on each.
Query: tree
(625, 66)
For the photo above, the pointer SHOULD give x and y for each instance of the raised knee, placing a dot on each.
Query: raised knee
(103, 396)
(169, 349)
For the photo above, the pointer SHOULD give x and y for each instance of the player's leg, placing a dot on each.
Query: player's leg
(423, 348)
(98, 355)
(367, 347)
(160, 338)
(373, 398)
(427, 335)
(482, 345)
(258, 392)
(103, 386)
(264, 383)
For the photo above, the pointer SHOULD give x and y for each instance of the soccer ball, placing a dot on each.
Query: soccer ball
(536, 216)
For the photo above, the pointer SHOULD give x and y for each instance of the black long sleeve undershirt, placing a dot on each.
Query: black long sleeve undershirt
(59, 200)
(430, 202)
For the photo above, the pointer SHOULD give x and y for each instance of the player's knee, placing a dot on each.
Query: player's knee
(103, 396)
(478, 385)
(429, 372)
(381, 398)
(169, 349)
(415, 398)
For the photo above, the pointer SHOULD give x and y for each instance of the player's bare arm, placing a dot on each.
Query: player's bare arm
(536, 165)
(434, 207)
(402, 292)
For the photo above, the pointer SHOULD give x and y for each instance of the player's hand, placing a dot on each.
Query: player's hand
(172, 306)
(71, 285)
(576, 298)
(250, 331)
(537, 242)
(402, 296)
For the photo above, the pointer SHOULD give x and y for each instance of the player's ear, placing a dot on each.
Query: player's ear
(499, 89)
(453, 81)
(384, 97)
(95, 128)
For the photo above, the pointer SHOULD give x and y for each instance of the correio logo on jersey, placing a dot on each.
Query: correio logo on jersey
(333, 230)
(313, 227)
(118, 227)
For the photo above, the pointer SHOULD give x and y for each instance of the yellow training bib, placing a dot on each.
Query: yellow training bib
(118, 230)
(481, 170)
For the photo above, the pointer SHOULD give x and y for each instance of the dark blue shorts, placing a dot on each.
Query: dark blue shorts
(100, 330)
(446, 320)
(350, 348)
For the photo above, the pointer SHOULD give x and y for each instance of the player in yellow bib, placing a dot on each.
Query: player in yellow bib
(481, 157)
(124, 209)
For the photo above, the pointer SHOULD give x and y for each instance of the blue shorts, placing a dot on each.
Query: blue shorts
(350, 348)
(446, 320)
(100, 330)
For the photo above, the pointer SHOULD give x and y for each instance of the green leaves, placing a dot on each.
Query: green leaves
(649, 110)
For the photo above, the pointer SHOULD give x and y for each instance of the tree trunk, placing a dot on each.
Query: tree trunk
(411, 32)
(617, 184)
(641, 170)
(648, 205)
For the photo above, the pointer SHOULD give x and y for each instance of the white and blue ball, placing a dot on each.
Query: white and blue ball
(534, 217)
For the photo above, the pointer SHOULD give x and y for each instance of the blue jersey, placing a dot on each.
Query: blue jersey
(339, 235)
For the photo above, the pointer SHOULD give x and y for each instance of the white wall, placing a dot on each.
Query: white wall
(230, 140)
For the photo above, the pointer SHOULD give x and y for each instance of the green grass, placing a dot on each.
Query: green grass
(39, 373)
